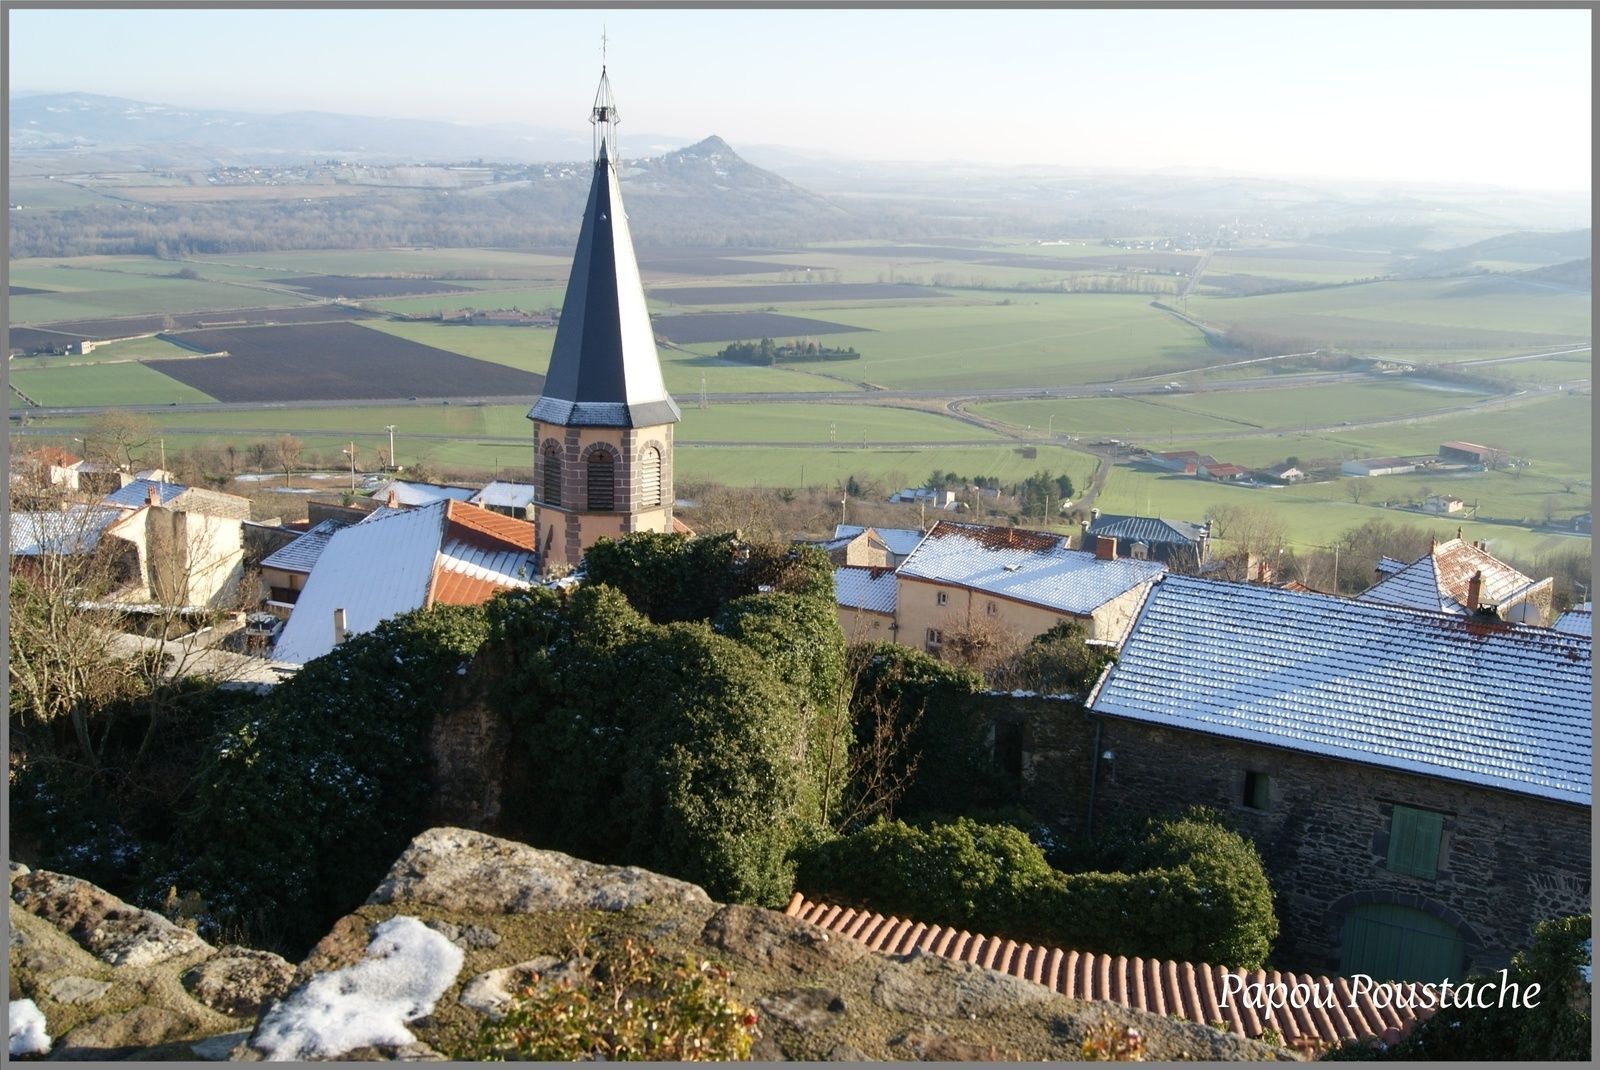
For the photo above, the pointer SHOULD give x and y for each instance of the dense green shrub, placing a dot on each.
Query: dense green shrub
(667, 745)
(942, 735)
(1558, 1027)
(1059, 661)
(799, 639)
(308, 800)
(671, 578)
(1191, 890)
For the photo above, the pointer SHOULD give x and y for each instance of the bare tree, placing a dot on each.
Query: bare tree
(257, 453)
(119, 438)
(1356, 488)
(866, 771)
(289, 449)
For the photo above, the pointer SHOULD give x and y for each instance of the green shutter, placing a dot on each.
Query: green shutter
(1389, 942)
(1414, 837)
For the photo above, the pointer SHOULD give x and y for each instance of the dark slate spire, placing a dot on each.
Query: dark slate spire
(604, 371)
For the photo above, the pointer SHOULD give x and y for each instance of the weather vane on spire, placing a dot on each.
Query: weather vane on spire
(604, 115)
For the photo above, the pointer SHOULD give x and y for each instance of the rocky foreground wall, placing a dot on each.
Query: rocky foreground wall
(463, 919)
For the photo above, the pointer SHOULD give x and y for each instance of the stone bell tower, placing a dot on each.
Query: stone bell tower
(603, 426)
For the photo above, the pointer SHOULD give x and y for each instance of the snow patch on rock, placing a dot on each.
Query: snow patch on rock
(407, 967)
(28, 1033)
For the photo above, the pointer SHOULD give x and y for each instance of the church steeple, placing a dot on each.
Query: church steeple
(603, 426)
(604, 371)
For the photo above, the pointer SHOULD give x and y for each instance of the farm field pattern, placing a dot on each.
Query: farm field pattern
(965, 332)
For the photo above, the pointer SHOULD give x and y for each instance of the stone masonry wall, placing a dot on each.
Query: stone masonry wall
(1507, 861)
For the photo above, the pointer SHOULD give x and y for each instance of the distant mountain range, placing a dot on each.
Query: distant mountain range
(160, 135)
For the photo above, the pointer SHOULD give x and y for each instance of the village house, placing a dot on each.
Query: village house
(1221, 471)
(397, 560)
(1418, 783)
(1465, 579)
(853, 544)
(1178, 544)
(284, 571)
(964, 578)
(511, 499)
(1283, 473)
(1184, 462)
(866, 598)
(1443, 504)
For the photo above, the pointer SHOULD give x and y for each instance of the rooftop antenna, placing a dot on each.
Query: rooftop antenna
(604, 114)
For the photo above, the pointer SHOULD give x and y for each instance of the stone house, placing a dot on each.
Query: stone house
(1181, 546)
(966, 578)
(866, 600)
(1418, 784)
(1464, 579)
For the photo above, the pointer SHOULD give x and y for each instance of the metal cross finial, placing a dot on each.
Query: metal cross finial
(602, 45)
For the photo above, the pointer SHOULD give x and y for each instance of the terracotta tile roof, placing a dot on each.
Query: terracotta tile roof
(680, 528)
(452, 588)
(46, 455)
(471, 523)
(1438, 580)
(1171, 989)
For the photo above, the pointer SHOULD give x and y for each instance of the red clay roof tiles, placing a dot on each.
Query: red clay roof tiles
(1171, 989)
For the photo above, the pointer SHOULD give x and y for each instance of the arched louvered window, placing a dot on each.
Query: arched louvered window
(650, 477)
(552, 474)
(602, 482)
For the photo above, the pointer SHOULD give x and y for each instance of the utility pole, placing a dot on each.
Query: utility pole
(352, 452)
(390, 428)
(841, 509)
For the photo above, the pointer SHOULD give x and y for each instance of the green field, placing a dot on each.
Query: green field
(742, 466)
(151, 348)
(1445, 319)
(823, 425)
(498, 263)
(1035, 340)
(104, 384)
(1129, 418)
(93, 292)
(489, 296)
(1315, 515)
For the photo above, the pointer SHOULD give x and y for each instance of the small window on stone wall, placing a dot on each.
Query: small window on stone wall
(942, 598)
(1257, 791)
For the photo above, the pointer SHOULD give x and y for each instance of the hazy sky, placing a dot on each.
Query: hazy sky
(1491, 97)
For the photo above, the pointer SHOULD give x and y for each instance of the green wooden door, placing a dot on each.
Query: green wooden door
(1396, 943)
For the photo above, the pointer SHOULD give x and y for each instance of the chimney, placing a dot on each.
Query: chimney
(1105, 547)
(1094, 514)
(394, 499)
(152, 495)
(1475, 591)
(338, 626)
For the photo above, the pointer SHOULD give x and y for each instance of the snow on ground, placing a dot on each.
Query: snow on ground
(28, 1034)
(407, 967)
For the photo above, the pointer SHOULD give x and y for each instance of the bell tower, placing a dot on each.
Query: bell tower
(603, 426)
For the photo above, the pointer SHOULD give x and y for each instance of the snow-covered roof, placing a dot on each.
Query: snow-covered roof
(419, 493)
(503, 495)
(373, 571)
(865, 587)
(74, 530)
(446, 553)
(1438, 580)
(1028, 566)
(1149, 530)
(1579, 620)
(1476, 700)
(900, 541)
(302, 554)
(137, 494)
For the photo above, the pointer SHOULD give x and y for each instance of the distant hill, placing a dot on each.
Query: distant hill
(1573, 273)
(161, 135)
(1534, 248)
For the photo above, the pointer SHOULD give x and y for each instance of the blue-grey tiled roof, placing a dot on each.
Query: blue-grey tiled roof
(302, 554)
(137, 494)
(1146, 529)
(1468, 699)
